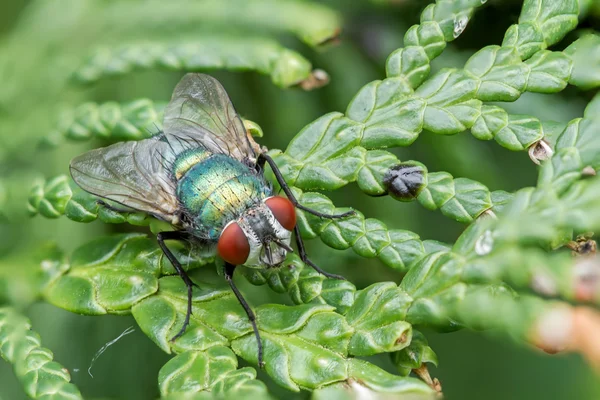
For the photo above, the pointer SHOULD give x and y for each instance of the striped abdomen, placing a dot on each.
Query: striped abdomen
(215, 189)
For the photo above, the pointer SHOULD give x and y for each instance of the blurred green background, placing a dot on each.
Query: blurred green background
(40, 41)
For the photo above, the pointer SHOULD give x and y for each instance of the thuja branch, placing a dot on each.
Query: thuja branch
(40, 376)
(285, 67)
(132, 271)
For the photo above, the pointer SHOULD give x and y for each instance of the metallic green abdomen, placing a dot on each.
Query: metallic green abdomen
(217, 190)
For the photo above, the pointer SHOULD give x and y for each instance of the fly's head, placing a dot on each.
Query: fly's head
(261, 236)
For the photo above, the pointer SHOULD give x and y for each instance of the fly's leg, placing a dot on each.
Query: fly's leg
(265, 157)
(178, 235)
(229, 269)
(299, 242)
(306, 260)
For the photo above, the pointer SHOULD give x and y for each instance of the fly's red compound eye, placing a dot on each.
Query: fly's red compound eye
(283, 210)
(233, 245)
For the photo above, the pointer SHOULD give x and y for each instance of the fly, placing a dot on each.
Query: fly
(204, 174)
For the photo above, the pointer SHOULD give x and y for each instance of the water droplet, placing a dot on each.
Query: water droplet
(460, 24)
(484, 244)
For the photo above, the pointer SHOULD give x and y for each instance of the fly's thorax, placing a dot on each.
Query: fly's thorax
(263, 231)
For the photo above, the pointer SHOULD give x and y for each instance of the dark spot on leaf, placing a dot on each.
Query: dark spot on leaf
(405, 181)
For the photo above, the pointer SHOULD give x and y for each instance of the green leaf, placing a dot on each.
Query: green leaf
(367, 167)
(476, 283)
(161, 316)
(40, 376)
(581, 134)
(303, 284)
(196, 371)
(440, 23)
(112, 121)
(521, 132)
(556, 275)
(325, 138)
(396, 387)
(542, 23)
(526, 219)
(50, 198)
(383, 331)
(452, 17)
(526, 37)
(584, 54)
(415, 355)
(485, 307)
(502, 75)
(549, 72)
(61, 196)
(214, 371)
(252, 127)
(491, 121)
(554, 19)
(450, 105)
(312, 333)
(286, 67)
(129, 121)
(461, 199)
(368, 237)
(283, 351)
(380, 381)
(110, 274)
(412, 62)
(313, 23)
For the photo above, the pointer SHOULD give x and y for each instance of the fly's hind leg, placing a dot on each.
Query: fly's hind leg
(178, 235)
(265, 157)
(229, 269)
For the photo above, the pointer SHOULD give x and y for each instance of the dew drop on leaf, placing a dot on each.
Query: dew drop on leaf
(460, 24)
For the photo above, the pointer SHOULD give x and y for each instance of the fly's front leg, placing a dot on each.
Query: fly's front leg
(229, 269)
(178, 235)
(306, 260)
(265, 157)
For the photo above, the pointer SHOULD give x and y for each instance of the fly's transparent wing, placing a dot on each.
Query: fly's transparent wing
(200, 111)
(130, 173)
